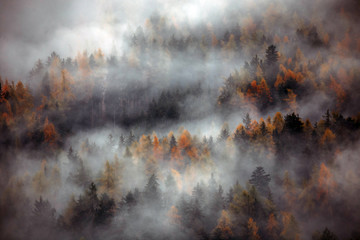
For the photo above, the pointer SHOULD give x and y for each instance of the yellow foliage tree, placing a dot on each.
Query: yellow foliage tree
(173, 215)
(253, 230)
(40, 181)
(223, 229)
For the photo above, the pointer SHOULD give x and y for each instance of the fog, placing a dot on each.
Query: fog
(179, 119)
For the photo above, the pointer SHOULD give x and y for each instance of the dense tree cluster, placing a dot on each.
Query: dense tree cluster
(283, 176)
(254, 209)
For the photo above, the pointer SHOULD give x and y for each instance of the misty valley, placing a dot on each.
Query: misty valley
(180, 120)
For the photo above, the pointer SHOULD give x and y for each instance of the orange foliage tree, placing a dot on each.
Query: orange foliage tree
(50, 134)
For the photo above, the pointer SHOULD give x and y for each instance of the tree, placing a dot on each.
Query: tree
(129, 201)
(50, 133)
(43, 218)
(40, 181)
(131, 138)
(43, 213)
(272, 227)
(81, 177)
(86, 208)
(291, 229)
(110, 141)
(107, 179)
(278, 122)
(328, 138)
(174, 216)
(240, 137)
(261, 180)
(243, 203)
(157, 149)
(106, 210)
(170, 189)
(247, 121)
(73, 155)
(224, 133)
(289, 190)
(62, 89)
(195, 214)
(223, 229)
(152, 191)
(271, 56)
(327, 118)
(252, 230)
(293, 123)
(24, 99)
(325, 235)
(173, 142)
(55, 177)
(127, 153)
(121, 141)
(215, 205)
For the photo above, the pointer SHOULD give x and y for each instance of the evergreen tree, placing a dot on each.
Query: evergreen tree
(224, 133)
(293, 123)
(43, 214)
(261, 180)
(131, 138)
(247, 121)
(106, 210)
(173, 142)
(81, 177)
(152, 192)
(272, 55)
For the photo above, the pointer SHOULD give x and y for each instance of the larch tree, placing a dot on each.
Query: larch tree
(24, 99)
(223, 230)
(40, 181)
(272, 227)
(278, 122)
(50, 134)
(252, 230)
(174, 217)
(157, 149)
(107, 179)
(55, 178)
(290, 194)
(291, 230)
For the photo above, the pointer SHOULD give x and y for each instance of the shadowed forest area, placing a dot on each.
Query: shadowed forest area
(180, 120)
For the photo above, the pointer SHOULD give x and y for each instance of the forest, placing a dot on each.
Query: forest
(180, 120)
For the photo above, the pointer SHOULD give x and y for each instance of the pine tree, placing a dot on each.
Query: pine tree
(173, 142)
(170, 190)
(131, 138)
(81, 177)
(261, 180)
(293, 123)
(272, 55)
(224, 133)
(247, 121)
(106, 210)
(152, 191)
(43, 213)
(121, 141)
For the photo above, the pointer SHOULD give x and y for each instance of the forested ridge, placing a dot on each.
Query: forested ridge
(240, 124)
